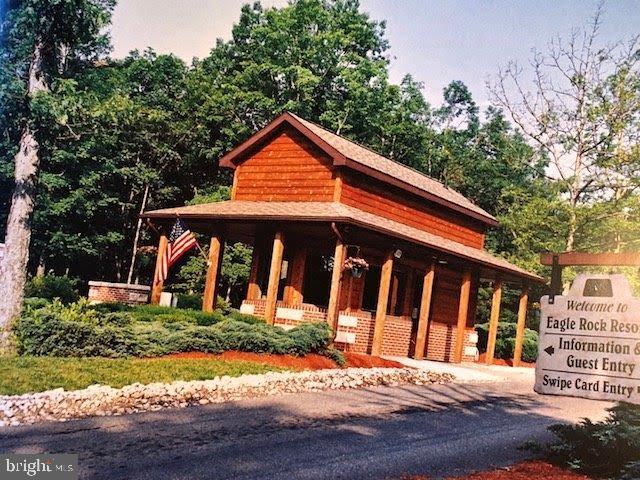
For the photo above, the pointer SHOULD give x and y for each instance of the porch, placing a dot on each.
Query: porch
(417, 298)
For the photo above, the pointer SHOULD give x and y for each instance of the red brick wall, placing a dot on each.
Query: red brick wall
(441, 338)
(397, 336)
(100, 292)
(441, 342)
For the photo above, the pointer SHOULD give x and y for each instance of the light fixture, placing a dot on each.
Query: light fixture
(397, 253)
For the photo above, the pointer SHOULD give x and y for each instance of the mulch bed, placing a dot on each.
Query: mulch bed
(505, 362)
(312, 361)
(530, 470)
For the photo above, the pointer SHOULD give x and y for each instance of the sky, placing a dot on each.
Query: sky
(436, 41)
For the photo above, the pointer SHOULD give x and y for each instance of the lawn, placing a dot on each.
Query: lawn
(36, 374)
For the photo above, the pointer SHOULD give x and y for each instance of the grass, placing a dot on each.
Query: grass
(20, 375)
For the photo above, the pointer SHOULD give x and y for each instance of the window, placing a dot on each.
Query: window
(371, 287)
(317, 279)
(397, 293)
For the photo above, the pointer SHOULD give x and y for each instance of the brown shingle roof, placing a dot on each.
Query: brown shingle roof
(347, 153)
(333, 211)
(371, 159)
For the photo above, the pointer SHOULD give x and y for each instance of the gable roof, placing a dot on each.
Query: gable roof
(349, 154)
(333, 211)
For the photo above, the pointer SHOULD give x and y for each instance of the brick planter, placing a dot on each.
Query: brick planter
(100, 292)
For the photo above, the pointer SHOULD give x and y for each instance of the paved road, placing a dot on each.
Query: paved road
(375, 433)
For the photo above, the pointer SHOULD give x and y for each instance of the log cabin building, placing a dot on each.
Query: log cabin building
(389, 257)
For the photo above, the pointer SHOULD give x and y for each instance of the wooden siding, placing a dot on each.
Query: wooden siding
(288, 168)
(446, 297)
(385, 201)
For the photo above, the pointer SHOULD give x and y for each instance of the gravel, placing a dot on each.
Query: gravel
(100, 400)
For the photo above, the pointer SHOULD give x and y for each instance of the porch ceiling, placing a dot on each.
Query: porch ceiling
(337, 212)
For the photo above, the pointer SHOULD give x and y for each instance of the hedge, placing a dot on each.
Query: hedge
(606, 449)
(81, 329)
(506, 341)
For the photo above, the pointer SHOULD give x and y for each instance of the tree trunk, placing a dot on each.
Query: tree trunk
(134, 250)
(13, 271)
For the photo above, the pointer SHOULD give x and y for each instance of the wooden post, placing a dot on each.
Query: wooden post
(253, 290)
(156, 288)
(293, 289)
(216, 249)
(463, 310)
(336, 281)
(425, 308)
(381, 308)
(494, 321)
(274, 278)
(522, 318)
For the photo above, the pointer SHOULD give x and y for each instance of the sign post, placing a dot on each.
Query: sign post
(589, 344)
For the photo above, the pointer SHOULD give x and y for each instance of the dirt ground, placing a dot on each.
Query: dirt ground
(312, 361)
(530, 470)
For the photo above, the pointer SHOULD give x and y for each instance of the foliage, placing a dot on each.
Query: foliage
(506, 341)
(19, 375)
(114, 331)
(52, 286)
(610, 448)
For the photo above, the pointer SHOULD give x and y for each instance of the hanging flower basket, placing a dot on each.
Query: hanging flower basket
(356, 265)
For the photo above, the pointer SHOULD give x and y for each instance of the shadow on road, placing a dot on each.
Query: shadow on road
(371, 433)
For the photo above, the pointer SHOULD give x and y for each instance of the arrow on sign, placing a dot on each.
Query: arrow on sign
(550, 350)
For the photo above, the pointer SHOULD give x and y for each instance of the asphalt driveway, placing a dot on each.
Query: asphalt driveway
(381, 432)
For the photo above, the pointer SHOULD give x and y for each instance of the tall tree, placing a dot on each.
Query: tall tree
(581, 111)
(42, 40)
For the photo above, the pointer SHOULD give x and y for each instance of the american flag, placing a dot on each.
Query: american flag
(181, 240)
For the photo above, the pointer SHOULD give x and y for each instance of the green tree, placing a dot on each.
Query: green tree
(42, 40)
(581, 111)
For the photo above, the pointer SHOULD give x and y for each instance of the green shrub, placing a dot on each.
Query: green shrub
(35, 302)
(52, 286)
(79, 329)
(506, 341)
(608, 449)
(76, 331)
(189, 300)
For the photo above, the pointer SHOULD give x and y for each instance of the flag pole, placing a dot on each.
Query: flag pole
(204, 255)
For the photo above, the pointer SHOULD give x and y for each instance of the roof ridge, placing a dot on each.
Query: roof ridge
(408, 167)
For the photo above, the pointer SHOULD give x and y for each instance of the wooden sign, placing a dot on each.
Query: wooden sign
(589, 343)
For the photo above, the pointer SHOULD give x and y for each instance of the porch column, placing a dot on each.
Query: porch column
(522, 318)
(293, 289)
(336, 281)
(425, 308)
(463, 310)
(253, 289)
(383, 299)
(494, 321)
(156, 288)
(216, 249)
(274, 278)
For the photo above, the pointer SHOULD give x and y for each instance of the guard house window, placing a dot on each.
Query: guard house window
(598, 287)
(317, 279)
(371, 287)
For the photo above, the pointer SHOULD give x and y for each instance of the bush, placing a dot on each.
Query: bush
(80, 329)
(52, 286)
(188, 300)
(76, 330)
(35, 302)
(609, 449)
(506, 341)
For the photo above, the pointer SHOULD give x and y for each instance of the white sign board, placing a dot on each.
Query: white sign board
(589, 342)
